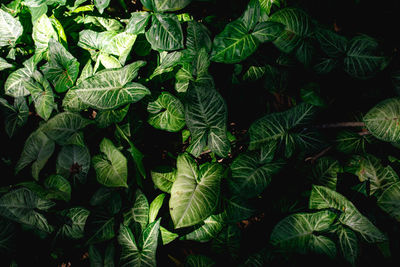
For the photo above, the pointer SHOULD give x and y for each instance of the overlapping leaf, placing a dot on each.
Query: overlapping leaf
(16, 115)
(10, 29)
(389, 201)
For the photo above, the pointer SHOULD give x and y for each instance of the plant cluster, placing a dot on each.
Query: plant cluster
(164, 133)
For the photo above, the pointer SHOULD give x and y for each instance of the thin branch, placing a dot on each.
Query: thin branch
(364, 133)
(320, 154)
(341, 124)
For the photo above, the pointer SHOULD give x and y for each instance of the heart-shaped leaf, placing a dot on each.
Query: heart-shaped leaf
(10, 29)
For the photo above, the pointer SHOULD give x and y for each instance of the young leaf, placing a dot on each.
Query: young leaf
(62, 69)
(195, 192)
(206, 115)
(112, 88)
(165, 33)
(101, 5)
(23, 206)
(299, 232)
(142, 252)
(37, 149)
(167, 236)
(111, 166)
(251, 174)
(155, 207)
(325, 198)
(166, 113)
(383, 120)
(266, 5)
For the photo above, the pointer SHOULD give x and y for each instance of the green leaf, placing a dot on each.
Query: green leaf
(193, 260)
(238, 209)
(389, 200)
(42, 95)
(167, 236)
(281, 127)
(111, 166)
(165, 33)
(63, 127)
(42, 32)
(297, 27)
(163, 177)
(325, 172)
(7, 236)
(350, 142)
(166, 113)
(369, 168)
(73, 162)
(362, 59)
(15, 115)
(101, 5)
(167, 63)
(155, 207)
(234, 43)
(62, 69)
(105, 118)
(4, 64)
(251, 174)
(310, 93)
(195, 192)
(138, 22)
(99, 227)
(383, 120)
(228, 241)
(324, 198)
(10, 29)
(139, 212)
(107, 24)
(15, 83)
(74, 229)
(332, 44)
(348, 243)
(207, 230)
(198, 37)
(96, 259)
(266, 5)
(58, 188)
(251, 15)
(301, 232)
(142, 252)
(206, 116)
(37, 149)
(112, 88)
(23, 206)
(267, 31)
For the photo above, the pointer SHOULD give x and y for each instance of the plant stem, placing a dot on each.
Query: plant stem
(342, 124)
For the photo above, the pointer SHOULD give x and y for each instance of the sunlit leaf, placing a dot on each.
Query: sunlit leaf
(139, 212)
(10, 29)
(207, 230)
(163, 177)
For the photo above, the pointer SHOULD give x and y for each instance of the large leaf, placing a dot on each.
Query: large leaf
(62, 69)
(206, 116)
(15, 83)
(389, 201)
(42, 32)
(138, 22)
(382, 120)
(111, 166)
(143, 251)
(251, 174)
(198, 37)
(369, 168)
(74, 229)
(166, 113)
(302, 232)
(63, 127)
(362, 58)
(195, 192)
(37, 149)
(25, 207)
(325, 198)
(10, 29)
(297, 27)
(112, 88)
(284, 128)
(16, 115)
(165, 33)
(73, 162)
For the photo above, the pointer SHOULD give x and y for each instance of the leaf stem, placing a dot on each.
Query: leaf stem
(341, 124)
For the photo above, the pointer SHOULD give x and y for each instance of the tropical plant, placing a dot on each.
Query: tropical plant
(179, 133)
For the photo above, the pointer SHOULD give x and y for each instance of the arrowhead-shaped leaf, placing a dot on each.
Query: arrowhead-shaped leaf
(10, 29)
(195, 192)
(42, 32)
(73, 162)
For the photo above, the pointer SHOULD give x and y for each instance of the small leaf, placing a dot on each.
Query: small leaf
(207, 230)
(167, 236)
(75, 228)
(166, 113)
(140, 211)
(58, 187)
(325, 172)
(101, 5)
(111, 167)
(155, 206)
(163, 177)
(73, 162)
(105, 118)
(16, 115)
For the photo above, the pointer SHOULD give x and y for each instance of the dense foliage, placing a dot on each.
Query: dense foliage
(199, 133)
